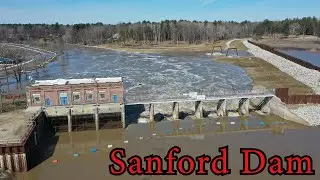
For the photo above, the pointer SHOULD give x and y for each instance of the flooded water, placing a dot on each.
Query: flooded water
(271, 134)
(148, 76)
(308, 56)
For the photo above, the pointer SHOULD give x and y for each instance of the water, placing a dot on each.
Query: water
(308, 56)
(147, 76)
(194, 137)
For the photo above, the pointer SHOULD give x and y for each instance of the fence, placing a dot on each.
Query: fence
(286, 56)
(283, 94)
(14, 96)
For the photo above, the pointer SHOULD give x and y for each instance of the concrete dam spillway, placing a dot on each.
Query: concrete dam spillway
(74, 98)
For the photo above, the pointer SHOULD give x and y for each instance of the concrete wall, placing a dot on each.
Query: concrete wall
(20, 157)
(53, 93)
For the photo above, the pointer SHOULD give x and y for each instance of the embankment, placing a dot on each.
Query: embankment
(307, 76)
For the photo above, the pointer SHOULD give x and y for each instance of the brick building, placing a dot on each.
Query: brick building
(66, 92)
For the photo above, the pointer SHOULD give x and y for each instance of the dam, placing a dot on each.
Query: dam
(81, 104)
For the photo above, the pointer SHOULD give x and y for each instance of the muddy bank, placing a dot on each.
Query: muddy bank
(304, 43)
(168, 48)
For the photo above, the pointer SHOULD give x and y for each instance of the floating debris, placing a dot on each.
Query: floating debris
(233, 123)
(76, 155)
(180, 128)
(218, 123)
(154, 134)
(55, 161)
(109, 146)
(262, 123)
(141, 138)
(126, 142)
(93, 150)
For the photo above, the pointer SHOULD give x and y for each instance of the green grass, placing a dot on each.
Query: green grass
(239, 45)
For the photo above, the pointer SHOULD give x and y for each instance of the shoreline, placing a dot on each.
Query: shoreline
(304, 75)
(307, 43)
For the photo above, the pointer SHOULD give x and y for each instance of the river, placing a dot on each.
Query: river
(271, 134)
(147, 76)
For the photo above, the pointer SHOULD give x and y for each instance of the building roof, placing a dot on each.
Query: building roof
(76, 81)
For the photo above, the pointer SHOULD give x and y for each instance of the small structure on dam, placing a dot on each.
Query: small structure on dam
(79, 104)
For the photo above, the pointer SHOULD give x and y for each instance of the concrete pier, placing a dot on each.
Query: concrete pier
(16, 162)
(244, 106)
(23, 162)
(123, 116)
(96, 118)
(69, 121)
(8, 162)
(175, 111)
(222, 107)
(151, 110)
(199, 109)
(2, 162)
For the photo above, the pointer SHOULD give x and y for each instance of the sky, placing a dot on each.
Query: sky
(116, 11)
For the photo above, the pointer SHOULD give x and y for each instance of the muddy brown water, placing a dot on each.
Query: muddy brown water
(195, 137)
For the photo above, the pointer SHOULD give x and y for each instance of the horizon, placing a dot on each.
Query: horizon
(125, 11)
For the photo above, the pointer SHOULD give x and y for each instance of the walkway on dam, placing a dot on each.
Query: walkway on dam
(205, 99)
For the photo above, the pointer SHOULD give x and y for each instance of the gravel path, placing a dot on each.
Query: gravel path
(309, 113)
(307, 76)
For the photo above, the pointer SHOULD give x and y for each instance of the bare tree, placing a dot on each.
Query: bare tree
(294, 29)
(4, 65)
(15, 55)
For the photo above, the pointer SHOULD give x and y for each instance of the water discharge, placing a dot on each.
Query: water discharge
(148, 76)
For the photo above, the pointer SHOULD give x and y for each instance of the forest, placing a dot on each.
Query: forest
(182, 31)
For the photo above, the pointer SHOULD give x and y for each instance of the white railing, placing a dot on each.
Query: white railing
(38, 50)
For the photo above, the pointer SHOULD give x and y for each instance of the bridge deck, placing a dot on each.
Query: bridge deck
(204, 100)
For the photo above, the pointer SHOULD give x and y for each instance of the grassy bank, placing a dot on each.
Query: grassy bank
(238, 44)
(267, 75)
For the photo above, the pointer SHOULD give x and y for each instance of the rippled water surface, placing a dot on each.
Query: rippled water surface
(149, 76)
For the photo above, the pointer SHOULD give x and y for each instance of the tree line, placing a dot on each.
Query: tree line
(146, 32)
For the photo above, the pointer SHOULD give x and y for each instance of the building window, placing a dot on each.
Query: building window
(36, 98)
(76, 96)
(89, 96)
(115, 98)
(102, 96)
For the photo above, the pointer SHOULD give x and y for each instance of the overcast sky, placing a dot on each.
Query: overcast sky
(115, 11)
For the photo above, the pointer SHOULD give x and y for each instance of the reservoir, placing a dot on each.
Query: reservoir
(308, 56)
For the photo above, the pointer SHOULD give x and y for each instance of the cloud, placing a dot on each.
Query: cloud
(207, 2)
